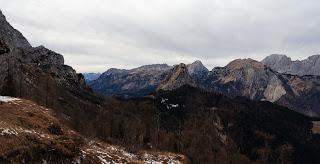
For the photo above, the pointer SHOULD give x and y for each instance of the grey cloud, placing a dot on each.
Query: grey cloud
(100, 34)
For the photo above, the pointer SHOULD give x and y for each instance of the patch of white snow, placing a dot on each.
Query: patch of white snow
(8, 99)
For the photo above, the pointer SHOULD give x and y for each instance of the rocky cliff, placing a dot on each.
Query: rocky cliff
(18, 54)
(252, 79)
(197, 70)
(284, 64)
(176, 78)
(40, 75)
(246, 77)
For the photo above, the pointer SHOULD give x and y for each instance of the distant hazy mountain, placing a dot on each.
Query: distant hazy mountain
(284, 64)
(91, 76)
(127, 83)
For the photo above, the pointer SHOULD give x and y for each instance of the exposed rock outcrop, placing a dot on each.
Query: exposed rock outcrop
(177, 77)
(39, 74)
(241, 77)
(10, 36)
(18, 55)
(284, 64)
(274, 90)
(252, 79)
(197, 70)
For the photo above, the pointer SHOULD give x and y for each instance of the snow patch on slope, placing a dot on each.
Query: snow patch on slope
(8, 99)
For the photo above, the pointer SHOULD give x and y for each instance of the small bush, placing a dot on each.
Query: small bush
(55, 129)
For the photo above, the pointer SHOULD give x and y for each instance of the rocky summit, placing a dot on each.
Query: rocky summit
(177, 77)
(284, 64)
(197, 70)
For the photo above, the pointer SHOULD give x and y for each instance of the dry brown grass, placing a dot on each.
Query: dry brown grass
(34, 133)
(24, 128)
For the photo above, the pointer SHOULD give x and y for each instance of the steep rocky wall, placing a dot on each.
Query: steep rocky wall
(284, 64)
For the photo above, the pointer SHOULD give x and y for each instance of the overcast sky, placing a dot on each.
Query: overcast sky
(94, 35)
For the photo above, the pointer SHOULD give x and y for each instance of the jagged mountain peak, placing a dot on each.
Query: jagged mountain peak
(196, 67)
(278, 56)
(197, 62)
(11, 37)
(1, 15)
(177, 77)
(284, 64)
(197, 70)
(244, 63)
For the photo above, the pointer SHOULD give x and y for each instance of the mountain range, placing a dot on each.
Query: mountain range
(241, 77)
(152, 114)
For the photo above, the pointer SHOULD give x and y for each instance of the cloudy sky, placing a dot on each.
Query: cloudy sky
(94, 35)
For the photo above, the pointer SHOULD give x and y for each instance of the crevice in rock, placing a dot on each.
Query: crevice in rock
(3, 48)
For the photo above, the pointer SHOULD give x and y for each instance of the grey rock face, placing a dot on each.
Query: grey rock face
(284, 64)
(12, 42)
(10, 36)
(18, 58)
(256, 81)
(43, 56)
(197, 70)
(241, 77)
(275, 90)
